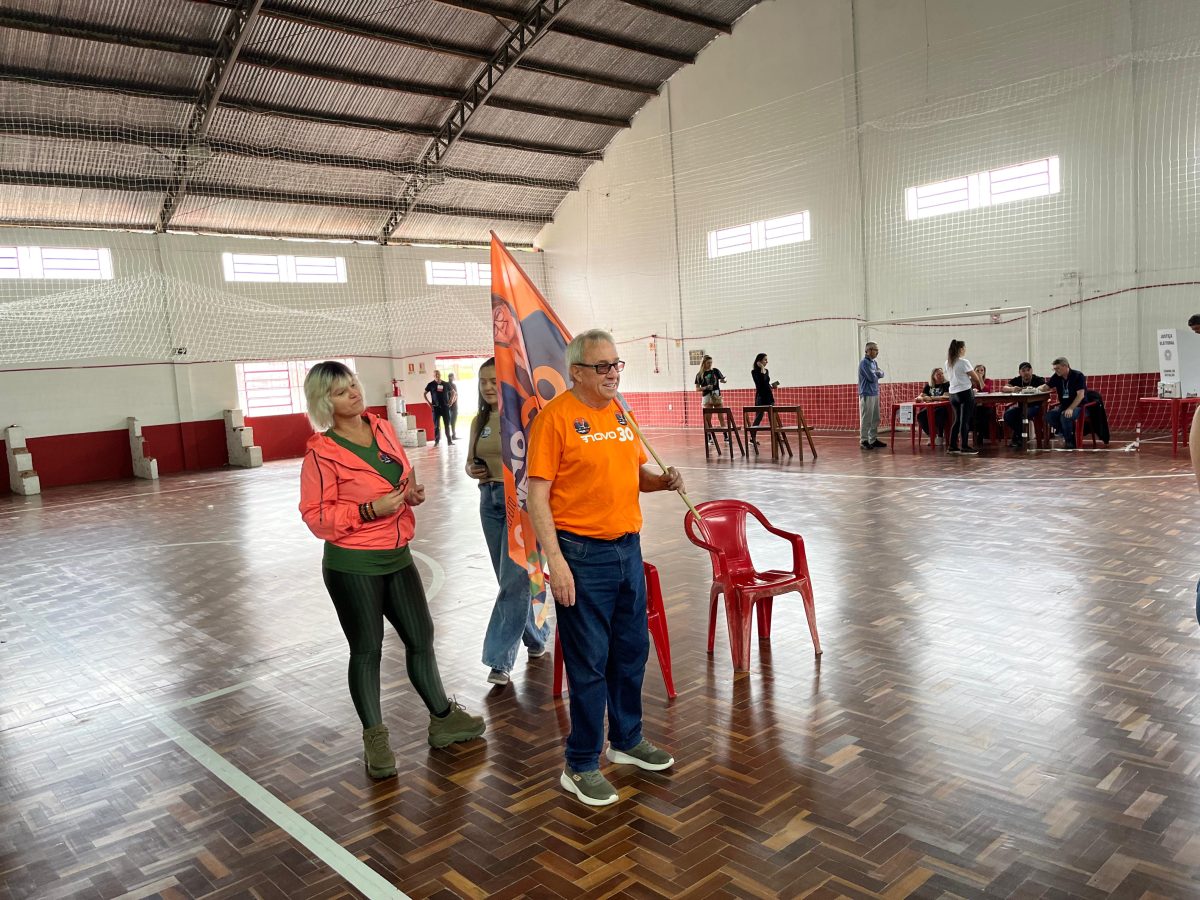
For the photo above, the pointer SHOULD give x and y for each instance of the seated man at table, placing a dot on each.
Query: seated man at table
(1071, 386)
(938, 388)
(1013, 415)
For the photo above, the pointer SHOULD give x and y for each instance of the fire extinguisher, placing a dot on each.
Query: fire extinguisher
(395, 388)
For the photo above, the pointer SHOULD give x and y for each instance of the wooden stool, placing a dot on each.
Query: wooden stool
(724, 425)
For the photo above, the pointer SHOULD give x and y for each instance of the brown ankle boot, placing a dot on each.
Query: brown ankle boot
(381, 762)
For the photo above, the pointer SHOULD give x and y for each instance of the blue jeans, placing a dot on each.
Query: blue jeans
(1013, 419)
(513, 615)
(604, 643)
(1064, 426)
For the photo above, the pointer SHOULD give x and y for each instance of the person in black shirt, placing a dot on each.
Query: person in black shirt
(437, 395)
(937, 387)
(453, 430)
(708, 382)
(1071, 386)
(764, 388)
(1012, 416)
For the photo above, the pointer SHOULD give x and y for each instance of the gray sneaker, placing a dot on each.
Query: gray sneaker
(645, 756)
(498, 676)
(590, 787)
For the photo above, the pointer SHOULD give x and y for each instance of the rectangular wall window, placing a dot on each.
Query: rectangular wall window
(458, 274)
(290, 269)
(791, 229)
(67, 263)
(275, 388)
(1039, 178)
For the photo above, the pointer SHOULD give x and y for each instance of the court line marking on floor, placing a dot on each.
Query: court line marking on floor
(321, 845)
(292, 823)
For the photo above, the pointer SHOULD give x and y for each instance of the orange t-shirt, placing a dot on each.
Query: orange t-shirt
(591, 457)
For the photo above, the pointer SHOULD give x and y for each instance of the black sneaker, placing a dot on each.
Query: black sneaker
(875, 445)
(970, 450)
(865, 445)
(953, 449)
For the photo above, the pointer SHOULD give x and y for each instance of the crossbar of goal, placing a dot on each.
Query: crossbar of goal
(1010, 312)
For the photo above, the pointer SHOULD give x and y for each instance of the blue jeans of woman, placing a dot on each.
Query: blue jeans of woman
(964, 411)
(513, 615)
(604, 643)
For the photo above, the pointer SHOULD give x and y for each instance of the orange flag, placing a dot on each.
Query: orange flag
(531, 370)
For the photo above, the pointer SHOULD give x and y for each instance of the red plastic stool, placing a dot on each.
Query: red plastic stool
(656, 620)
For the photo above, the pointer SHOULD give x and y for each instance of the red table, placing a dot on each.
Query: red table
(917, 406)
(1177, 404)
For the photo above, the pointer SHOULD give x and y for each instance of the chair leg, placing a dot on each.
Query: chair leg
(738, 614)
(713, 594)
(558, 666)
(810, 613)
(764, 618)
(656, 621)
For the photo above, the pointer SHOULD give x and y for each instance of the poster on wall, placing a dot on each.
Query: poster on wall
(1168, 355)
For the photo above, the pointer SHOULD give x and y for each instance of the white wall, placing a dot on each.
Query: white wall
(837, 107)
(80, 356)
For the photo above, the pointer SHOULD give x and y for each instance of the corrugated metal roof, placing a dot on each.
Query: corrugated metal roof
(267, 89)
(25, 205)
(544, 90)
(190, 21)
(288, 135)
(69, 56)
(34, 154)
(248, 216)
(634, 23)
(311, 110)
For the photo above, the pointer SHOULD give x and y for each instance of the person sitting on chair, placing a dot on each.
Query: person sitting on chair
(1071, 386)
(1012, 416)
(938, 388)
(985, 416)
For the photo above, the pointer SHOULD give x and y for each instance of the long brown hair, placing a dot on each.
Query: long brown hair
(485, 408)
(955, 351)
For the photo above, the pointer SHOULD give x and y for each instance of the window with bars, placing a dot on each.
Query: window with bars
(1039, 178)
(790, 229)
(458, 274)
(289, 269)
(67, 263)
(275, 388)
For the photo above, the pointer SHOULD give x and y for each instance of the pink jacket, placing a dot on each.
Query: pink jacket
(333, 482)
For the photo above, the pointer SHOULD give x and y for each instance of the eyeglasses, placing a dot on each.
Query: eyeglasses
(603, 368)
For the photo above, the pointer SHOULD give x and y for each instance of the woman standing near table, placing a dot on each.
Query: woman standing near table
(764, 390)
(962, 379)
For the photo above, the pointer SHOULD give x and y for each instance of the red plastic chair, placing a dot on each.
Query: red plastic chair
(723, 535)
(1080, 423)
(656, 620)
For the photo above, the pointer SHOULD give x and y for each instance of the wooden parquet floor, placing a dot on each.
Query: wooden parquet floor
(1006, 707)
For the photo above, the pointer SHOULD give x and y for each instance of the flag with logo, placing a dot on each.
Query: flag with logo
(531, 370)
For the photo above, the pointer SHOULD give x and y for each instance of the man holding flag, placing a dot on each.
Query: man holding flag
(585, 471)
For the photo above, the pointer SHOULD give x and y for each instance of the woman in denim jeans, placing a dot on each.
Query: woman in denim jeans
(512, 617)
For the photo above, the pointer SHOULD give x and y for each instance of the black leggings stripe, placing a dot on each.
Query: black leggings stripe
(362, 602)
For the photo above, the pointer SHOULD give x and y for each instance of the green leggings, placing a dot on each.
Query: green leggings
(361, 602)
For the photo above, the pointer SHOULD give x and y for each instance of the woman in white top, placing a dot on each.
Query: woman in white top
(963, 379)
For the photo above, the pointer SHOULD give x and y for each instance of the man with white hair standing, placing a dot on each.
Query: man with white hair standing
(868, 398)
(586, 469)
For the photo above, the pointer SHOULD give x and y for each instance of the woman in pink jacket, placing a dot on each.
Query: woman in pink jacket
(357, 491)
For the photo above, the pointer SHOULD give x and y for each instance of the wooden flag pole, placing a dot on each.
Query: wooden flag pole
(662, 465)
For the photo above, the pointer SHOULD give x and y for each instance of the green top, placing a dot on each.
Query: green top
(368, 562)
(487, 448)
